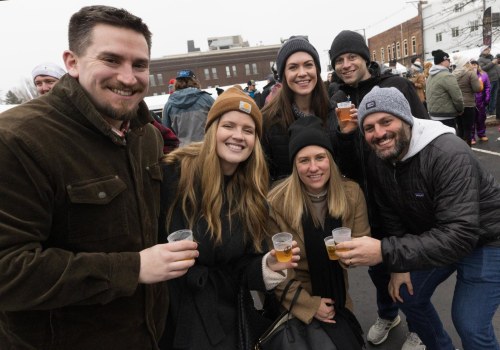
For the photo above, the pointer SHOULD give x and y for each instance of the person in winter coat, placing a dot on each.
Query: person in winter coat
(217, 188)
(469, 84)
(186, 109)
(310, 203)
(357, 75)
(80, 188)
(490, 65)
(302, 93)
(444, 97)
(440, 209)
(482, 101)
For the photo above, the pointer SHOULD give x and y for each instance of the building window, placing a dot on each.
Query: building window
(474, 25)
(247, 69)
(393, 53)
(413, 45)
(382, 55)
(374, 55)
(405, 48)
(160, 79)
(228, 72)
(214, 73)
(398, 50)
(152, 81)
(254, 68)
(459, 7)
(206, 71)
(389, 58)
(439, 37)
(234, 72)
(455, 32)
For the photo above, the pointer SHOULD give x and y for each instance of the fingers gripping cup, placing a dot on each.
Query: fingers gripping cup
(341, 234)
(344, 111)
(180, 235)
(282, 243)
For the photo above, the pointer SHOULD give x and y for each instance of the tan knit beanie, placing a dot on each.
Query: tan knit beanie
(234, 99)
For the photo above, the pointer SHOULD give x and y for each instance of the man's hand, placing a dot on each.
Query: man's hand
(398, 279)
(351, 125)
(275, 265)
(363, 251)
(166, 261)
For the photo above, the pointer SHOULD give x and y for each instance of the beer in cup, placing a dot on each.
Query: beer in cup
(344, 111)
(282, 243)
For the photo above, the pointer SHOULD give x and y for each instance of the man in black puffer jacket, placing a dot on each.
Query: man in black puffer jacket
(440, 210)
(350, 58)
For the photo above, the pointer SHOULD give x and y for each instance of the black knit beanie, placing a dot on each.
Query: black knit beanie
(348, 41)
(439, 56)
(307, 131)
(292, 45)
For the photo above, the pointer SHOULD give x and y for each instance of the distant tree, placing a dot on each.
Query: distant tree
(12, 99)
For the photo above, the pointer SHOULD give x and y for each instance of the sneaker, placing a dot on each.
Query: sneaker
(472, 142)
(380, 330)
(483, 138)
(413, 342)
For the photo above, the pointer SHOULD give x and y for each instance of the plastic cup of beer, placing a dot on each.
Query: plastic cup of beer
(344, 111)
(330, 248)
(341, 234)
(180, 235)
(282, 243)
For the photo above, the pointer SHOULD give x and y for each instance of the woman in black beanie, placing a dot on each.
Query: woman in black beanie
(310, 203)
(303, 93)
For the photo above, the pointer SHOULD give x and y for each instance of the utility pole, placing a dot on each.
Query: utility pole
(420, 3)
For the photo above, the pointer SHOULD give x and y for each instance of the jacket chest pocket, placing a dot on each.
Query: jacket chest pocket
(97, 209)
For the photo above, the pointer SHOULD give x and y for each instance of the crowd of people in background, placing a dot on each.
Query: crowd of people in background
(93, 191)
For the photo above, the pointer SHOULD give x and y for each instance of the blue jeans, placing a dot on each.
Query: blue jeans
(476, 298)
(419, 311)
(380, 276)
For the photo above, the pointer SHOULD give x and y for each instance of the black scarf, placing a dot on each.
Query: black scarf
(327, 279)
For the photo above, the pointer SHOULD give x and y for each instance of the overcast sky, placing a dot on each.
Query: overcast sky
(35, 31)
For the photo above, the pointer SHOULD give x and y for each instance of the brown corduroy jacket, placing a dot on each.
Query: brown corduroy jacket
(77, 205)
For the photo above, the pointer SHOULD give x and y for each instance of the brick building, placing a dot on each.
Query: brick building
(217, 67)
(399, 44)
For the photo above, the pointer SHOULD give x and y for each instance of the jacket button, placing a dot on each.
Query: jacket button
(102, 195)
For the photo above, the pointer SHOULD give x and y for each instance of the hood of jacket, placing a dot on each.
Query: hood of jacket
(423, 132)
(185, 98)
(437, 68)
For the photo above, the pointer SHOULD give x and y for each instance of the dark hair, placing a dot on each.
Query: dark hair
(279, 109)
(183, 83)
(83, 22)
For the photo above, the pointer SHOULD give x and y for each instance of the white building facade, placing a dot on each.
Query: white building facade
(460, 26)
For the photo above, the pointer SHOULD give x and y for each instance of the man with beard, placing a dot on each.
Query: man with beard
(440, 210)
(357, 76)
(80, 190)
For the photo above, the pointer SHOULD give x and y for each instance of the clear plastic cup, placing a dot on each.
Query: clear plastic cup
(282, 243)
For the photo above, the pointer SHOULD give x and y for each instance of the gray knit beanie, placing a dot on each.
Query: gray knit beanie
(389, 100)
(292, 45)
(348, 41)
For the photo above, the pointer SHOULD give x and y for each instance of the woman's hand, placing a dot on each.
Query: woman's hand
(398, 279)
(275, 265)
(326, 311)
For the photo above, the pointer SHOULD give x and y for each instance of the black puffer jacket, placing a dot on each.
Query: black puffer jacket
(429, 203)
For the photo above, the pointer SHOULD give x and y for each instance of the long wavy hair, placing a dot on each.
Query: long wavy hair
(279, 109)
(290, 199)
(201, 190)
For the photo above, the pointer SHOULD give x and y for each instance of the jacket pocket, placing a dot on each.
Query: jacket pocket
(97, 209)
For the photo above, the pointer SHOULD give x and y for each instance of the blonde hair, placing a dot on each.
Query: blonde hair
(290, 199)
(200, 190)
